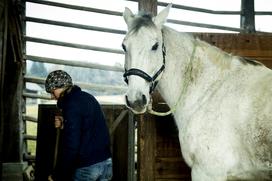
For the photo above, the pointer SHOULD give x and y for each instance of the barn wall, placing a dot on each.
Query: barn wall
(11, 90)
(254, 46)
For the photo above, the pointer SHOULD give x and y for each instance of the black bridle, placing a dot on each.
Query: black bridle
(142, 74)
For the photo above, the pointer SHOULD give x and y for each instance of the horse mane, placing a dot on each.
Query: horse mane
(217, 56)
(223, 59)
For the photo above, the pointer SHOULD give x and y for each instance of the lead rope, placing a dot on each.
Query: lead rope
(149, 108)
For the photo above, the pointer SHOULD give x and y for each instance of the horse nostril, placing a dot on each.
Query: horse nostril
(144, 99)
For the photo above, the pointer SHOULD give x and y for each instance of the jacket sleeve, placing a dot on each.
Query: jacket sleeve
(70, 144)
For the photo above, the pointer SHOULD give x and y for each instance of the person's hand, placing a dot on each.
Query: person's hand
(50, 178)
(59, 122)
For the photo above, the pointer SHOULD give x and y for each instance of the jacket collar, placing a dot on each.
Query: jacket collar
(67, 94)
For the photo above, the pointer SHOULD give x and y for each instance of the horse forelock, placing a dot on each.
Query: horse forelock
(142, 20)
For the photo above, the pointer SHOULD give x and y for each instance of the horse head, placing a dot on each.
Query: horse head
(144, 57)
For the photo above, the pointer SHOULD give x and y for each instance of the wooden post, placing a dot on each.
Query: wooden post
(12, 85)
(3, 37)
(146, 124)
(247, 21)
(148, 6)
(146, 148)
(131, 148)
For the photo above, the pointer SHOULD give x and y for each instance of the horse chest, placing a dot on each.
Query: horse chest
(202, 138)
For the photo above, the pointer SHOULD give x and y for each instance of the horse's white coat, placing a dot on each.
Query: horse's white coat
(224, 114)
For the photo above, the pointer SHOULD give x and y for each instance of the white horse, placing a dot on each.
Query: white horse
(222, 104)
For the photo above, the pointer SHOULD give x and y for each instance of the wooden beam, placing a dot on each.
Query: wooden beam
(74, 63)
(73, 45)
(148, 6)
(247, 21)
(3, 39)
(146, 123)
(74, 25)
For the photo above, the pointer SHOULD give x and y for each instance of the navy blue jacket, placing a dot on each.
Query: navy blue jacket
(85, 137)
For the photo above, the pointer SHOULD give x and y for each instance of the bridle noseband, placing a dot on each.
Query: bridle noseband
(152, 80)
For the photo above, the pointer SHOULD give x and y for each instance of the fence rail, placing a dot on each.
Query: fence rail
(83, 85)
(72, 45)
(74, 7)
(74, 25)
(83, 64)
(30, 118)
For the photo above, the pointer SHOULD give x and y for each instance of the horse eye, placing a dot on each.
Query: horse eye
(155, 46)
(124, 47)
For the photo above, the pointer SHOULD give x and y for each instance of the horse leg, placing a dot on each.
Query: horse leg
(199, 174)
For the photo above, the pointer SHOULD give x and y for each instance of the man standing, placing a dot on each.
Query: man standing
(85, 146)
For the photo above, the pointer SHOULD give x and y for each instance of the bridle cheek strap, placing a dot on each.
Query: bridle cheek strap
(145, 76)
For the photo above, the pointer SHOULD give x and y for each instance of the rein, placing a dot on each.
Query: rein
(172, 110)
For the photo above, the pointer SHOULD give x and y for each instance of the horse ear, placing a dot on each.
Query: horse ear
(128, 17)
(161, 18)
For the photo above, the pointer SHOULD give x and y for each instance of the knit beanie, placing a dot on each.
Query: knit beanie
(57, 79)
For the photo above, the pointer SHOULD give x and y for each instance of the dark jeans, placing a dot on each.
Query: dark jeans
(101, 171)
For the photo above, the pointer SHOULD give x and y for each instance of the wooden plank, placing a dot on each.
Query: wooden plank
(240, 44)
(72, 45)
(119, 140)
(172, 168)
(84, 64)
(146, 124)
(46, 140)
(254, 46)
(148, 6)
(168, 148)
(247, 17)
(169, 161)
(146, 147)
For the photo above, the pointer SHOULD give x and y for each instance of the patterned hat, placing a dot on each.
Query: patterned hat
(57, 79)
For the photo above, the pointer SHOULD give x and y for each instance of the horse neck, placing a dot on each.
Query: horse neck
(182, 65)
(179, 48)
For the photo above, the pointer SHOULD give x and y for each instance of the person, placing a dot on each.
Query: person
(85, 153)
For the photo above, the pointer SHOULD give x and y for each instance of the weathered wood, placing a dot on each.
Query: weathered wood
(13, 86)
(146, 147)
(254, 46)
(131, 147)
(84, 64)
(73, 25)
(81, 8)
(148, 6)
(3, 39)
(83, 85)
(146, 124)
(119, 140)
(73, 45)
(171, 168)
(169, 163)
(13, 171)
(204, 25)
(247, 18)
(46, 139)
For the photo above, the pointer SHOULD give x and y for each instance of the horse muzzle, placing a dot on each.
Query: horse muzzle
(139, 105)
